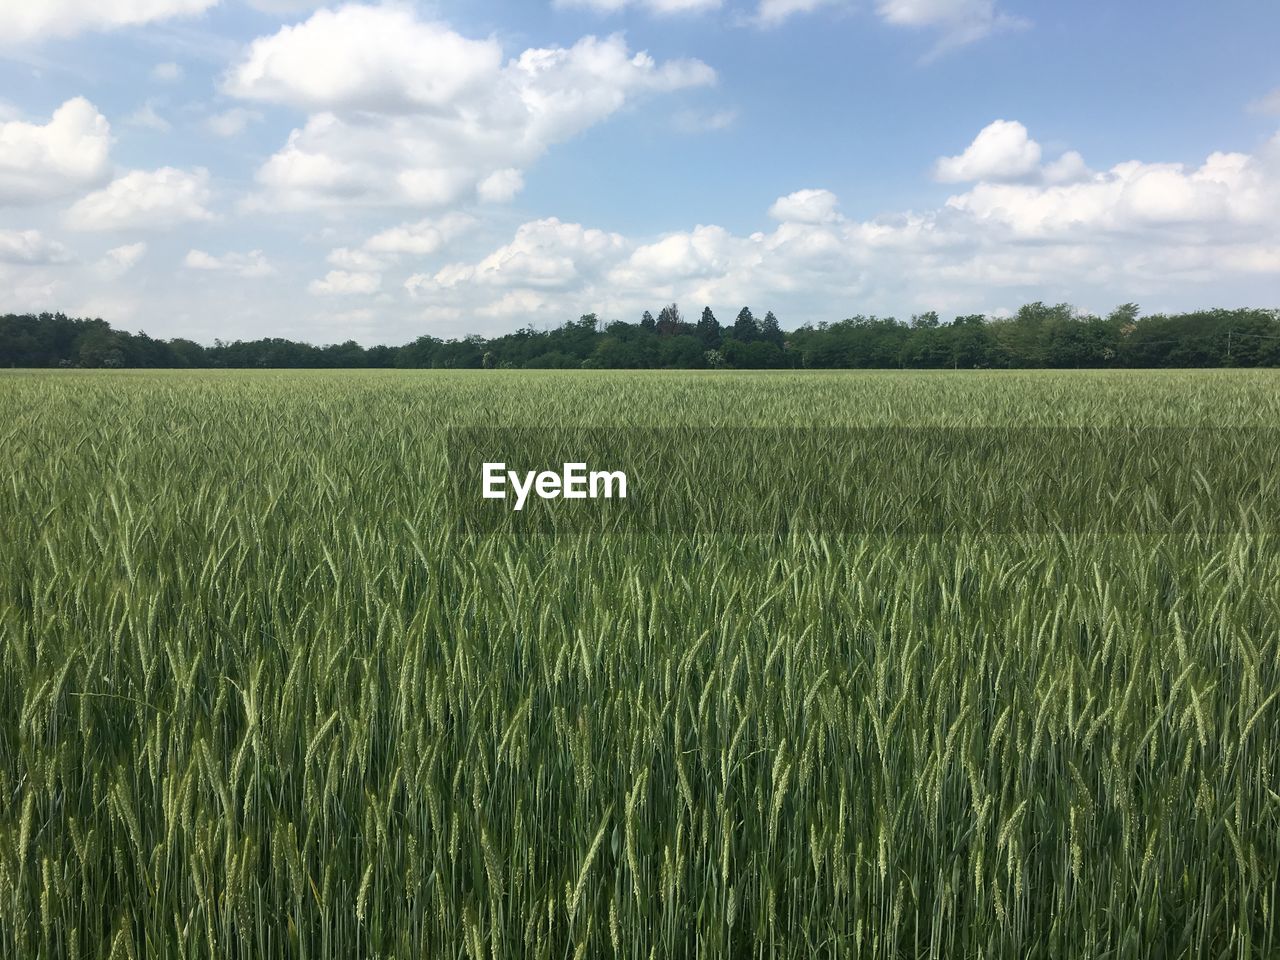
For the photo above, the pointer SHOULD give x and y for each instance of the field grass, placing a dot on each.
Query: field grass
(259, 698)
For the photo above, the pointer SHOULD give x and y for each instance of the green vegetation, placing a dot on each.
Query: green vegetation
(1038, 336)
(258, 698)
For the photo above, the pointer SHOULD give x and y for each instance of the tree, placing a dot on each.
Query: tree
(971, 342)
(1125, 315)
(669, 321)
(770, 331)
(683, 352)
(101, 348)
(1037, 336)
(647, 323)
(615, 353)
(745, 328)
(708, 329)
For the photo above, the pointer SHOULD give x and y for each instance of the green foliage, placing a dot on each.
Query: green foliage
(258, 699)
(1054, 337)
(708, 329)
(745, 328)
(770, 331)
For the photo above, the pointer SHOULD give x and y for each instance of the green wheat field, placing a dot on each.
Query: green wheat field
(260, 698)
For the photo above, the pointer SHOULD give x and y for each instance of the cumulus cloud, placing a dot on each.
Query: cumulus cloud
(963, 21)
(380, 59)
(703, 253)
(285, 6)
(154, 199)
(120, 260)
(40, 162)
(231, 123)
(23, 290)
(807, 206)
(251, 265)
(25, 20)
(407, 112)
(148, 118)
(770, 13)
(660, 7)
(30, 248)
(357, 261)
(500, 186)
(1228, 191)
(1068, 168)
(1137, 227)
(1002, 151)
(345, 283)
(422, 238)
(166, 73)
(545, 254)
(1268, 104)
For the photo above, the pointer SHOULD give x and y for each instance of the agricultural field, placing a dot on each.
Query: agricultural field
(260, 697)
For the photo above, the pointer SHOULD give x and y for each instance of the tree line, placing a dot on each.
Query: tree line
(1038, 335)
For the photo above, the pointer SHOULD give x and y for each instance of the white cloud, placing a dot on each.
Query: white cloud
(660, 7)
(147, 117)
(42, 162)
(380, 59)
(704, 252)
(963, 21)
(231, 123)
(166, 73)
(24, 290)
(545, 254)
(120, 260)
(405, 112)
(145, 199)
(345, 283)
(500, 186)
(422, 238)
(770, 13)
(1268, 104)
(24, 20)
(693, 121)
(1068, 168)
(1140, 229)
(356, 261)
(1230, 190)
(251, 265)
(1002, 151)
(925, 13)
(30, 248)
(286, 6)
(807, 206)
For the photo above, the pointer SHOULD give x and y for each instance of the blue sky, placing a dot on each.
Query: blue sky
(241, 168)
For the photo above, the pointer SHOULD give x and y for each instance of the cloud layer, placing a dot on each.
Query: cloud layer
(145, 199)
(1018, 231)
(26, 20)
(371, 162)
(408, 112)
(40, 162)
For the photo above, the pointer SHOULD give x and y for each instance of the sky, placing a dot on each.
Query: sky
(233, 169)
